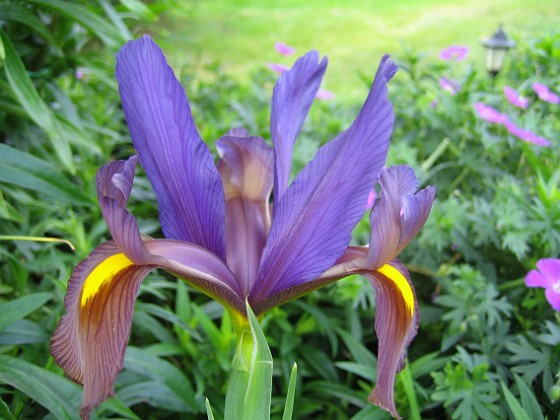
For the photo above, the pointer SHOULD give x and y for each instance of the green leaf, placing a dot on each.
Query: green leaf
(24, 332)
(19, 308)
(140, 10)
(88, 19)
(518, 412)
(57, 394)
(528, 400)
(289, 406)
(27, 171)
(36, 108)
(162, 372)
(250, 385)
(5, 412)
(209, 412)
(17, 13)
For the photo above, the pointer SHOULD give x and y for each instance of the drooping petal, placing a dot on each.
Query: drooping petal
(246, 167)
(291, 99)
(313, 221)
(177, 162)
(396, 323)
(114, 183)
(90, 340)
(553, 297)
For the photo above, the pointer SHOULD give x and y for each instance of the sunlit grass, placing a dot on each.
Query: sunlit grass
(241, 34)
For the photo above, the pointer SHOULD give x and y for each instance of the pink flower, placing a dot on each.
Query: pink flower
(487, 113)
(454, 52)
(513, 98)
(278, 68)
(284, 49)
(526, 135)
(544, 93)
(547, 276)
(324, 95)
(449, 85)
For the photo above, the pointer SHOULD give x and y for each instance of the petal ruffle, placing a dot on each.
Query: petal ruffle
(177, 162)
(246, 169)
(90, 340)
(398, 215)
(292, 97)
(313, 220)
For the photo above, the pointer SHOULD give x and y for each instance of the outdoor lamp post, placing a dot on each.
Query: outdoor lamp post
(495, 49)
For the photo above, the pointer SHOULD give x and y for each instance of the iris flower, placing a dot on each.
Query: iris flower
(225, 236)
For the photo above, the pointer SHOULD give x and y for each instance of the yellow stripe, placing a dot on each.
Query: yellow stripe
(103, 273)
(396, 277)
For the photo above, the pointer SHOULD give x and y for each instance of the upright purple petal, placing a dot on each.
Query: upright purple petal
(177, 162)
(246, 167)
(397, 216)
(313, 221)
(291, 99)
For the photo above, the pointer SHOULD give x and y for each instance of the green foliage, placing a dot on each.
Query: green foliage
(487, 347)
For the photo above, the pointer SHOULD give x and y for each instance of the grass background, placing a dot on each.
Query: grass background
(240, 34)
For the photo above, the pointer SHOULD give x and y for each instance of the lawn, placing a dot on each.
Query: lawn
(241, 34)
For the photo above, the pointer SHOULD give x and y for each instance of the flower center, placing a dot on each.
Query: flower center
(556, 286)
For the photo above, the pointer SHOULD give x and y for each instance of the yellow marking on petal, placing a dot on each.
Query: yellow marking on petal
(400, 281)
(105, 272)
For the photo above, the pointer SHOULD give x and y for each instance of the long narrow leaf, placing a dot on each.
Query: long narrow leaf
(289, 406)
(19, 308)
(518, 412)
(18, 13)
(88, 19)
(36, 108)
(57, 394)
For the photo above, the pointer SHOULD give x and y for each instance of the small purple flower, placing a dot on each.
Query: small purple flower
(79, 73)
(544, 93)
(487, 113)
(449, 85)
(278, 68)
(324, 95)
(547, 276)
(526, 135)
(454, 52)
(513, 98)
(434, 104)
(221, 235)
(284, 49)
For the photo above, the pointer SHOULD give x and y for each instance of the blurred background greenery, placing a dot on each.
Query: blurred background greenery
(487, 346)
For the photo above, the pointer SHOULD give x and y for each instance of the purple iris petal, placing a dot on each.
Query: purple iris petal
(177, 162)
(278, 68)
(398, 215)
(291, 99)
(324, 95)
(487, 113)
(313, 221)
(449, 85)
(544, 93)
(284, 49)
(526, 135)
(547, 276)
(454, 52)
(513, 98)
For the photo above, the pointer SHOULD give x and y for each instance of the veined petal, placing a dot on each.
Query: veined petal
(246, 170)
(398, 215)
(313, 221)
(396, 323)
(291, 99)
(177, 162)
(90, 340)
